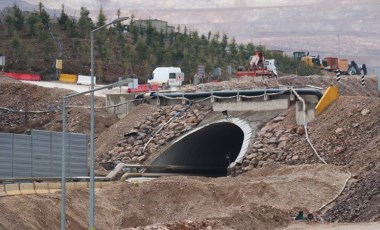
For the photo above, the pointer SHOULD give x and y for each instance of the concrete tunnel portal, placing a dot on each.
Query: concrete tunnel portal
(207, 150)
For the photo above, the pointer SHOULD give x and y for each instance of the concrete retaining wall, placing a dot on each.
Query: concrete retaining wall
(268, 105)
(125, 102)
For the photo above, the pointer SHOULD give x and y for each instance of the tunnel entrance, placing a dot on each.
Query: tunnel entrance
(208, 150)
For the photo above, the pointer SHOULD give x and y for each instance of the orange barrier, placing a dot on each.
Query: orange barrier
(143, 88)
(24, 76)
(70, 78)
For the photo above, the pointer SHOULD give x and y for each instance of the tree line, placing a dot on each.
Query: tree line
(122, 50)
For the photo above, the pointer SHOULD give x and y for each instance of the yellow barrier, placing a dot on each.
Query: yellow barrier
(70, 78)
(330, 95)
(12, 189)
(27, 188)
(41, 188)
(2, 190)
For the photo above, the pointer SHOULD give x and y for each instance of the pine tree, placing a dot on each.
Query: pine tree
(18, 18)
(85, 23)
(62, 20)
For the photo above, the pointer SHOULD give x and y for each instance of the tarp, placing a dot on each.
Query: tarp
(85, 80)
(24, 76)
(71, 78)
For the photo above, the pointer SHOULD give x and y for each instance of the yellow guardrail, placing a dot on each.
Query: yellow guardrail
(330, 95)
(70, 78)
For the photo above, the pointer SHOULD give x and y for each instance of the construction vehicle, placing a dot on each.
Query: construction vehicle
(310, 60)
(258, 66)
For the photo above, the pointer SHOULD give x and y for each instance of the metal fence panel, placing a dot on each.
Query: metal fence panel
(78, 160)
(22, 156)
(40, 154)
(41, 150)
(6, 149)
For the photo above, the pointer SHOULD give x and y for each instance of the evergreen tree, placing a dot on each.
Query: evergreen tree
(62, 20)
(85, 23)
(101, 18)
(18, 18)
(9, 21)
(32, 21)
(44, 16)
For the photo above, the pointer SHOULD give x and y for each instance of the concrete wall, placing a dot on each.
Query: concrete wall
(311, 101)
(116, 99)
(268, 105)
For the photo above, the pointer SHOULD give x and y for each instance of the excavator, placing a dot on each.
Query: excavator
(258, 66)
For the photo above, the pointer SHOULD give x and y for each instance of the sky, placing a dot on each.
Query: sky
(348, 28)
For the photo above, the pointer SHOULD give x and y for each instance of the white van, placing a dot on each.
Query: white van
(167, 76)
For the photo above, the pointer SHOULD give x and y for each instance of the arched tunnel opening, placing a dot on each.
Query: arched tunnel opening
(207, 151)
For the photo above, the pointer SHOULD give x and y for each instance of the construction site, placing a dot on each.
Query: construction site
(250, 153)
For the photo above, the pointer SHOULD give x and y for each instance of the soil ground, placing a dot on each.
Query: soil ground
(347, 135)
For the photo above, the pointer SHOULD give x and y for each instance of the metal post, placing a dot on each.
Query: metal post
(92, 154)
(63, 182)
(92, 190)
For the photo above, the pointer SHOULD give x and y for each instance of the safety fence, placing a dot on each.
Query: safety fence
(40, 154)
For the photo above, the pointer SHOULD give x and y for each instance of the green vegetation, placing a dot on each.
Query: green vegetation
(120, 50)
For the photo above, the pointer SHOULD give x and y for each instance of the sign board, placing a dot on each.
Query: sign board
(134, 84)
(201, 70)
(229, 69)
(58, 64)
(2, 60)
(180, 76)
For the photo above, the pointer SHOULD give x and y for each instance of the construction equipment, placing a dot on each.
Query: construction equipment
(258, 66)
(310, 60)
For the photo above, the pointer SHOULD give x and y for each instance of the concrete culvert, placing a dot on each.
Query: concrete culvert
(207, 150)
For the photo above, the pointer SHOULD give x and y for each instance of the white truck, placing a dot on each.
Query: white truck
(167, 76)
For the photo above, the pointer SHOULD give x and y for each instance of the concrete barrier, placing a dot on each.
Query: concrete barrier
(85, 80)
(2, 190)
(70, 78)
(12, 189)
(70, 185)
(27, 188)
(80, 185)
(54, 187)
(123, 100)
(41, 188)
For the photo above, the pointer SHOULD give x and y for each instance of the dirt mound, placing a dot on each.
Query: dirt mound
(360, 202)
(263, 199)
(24, 106)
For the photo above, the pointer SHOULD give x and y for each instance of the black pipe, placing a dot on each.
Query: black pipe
(253, 92)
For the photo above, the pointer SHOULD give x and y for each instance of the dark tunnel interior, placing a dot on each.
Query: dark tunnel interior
(207, 151)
